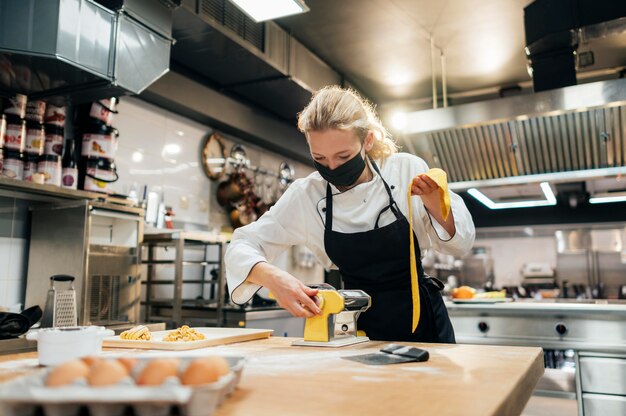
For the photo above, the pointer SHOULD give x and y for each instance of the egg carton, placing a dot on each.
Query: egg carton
(28, 395)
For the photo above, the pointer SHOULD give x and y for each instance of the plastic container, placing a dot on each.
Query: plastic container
(99, 141)
(55, 116)
(30, 166)
(35, 111)
(15, 105)
(35, 138)
(50, 167)
(28, 395)
(55, 137)
(97, 175)
(15, 136)
(13, 165)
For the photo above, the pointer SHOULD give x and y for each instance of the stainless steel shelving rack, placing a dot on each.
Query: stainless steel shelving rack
(181, 241)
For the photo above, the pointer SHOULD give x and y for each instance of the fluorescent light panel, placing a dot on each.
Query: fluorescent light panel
(261, 10)
(607, 198)
(485, 200)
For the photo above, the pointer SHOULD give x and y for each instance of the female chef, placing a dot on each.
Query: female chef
(352, 214)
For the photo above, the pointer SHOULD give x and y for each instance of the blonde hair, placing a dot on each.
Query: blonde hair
(333, 107)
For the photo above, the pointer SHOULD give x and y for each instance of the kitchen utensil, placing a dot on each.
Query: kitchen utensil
(336, 326)
(57, 345)
(392, 354)
(60, 309)
(213, 336)
(12, 325)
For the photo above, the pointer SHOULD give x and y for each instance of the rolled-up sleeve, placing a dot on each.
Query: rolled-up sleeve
(262, 241)
(463, 238)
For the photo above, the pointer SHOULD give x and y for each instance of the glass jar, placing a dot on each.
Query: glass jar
(35, 138)
(35, 111)
(99, 141)
(30, 166)
(15, 135)
(97, 175)
(13, 165)
(54, 140)
(50, 167)
(55, 116)
(15, 105)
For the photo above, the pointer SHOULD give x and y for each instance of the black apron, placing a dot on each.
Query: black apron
(377, 261)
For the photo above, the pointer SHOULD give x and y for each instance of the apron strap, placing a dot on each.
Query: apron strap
(415, 293)
(329, 208)
(392, 204)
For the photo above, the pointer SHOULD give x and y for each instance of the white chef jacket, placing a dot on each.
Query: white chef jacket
(298, 218)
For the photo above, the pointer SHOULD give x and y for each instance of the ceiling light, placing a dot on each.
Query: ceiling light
(260, 11)
(172, 149)
(398, 120)
(608, 197)
(137, 156)
(485, 200)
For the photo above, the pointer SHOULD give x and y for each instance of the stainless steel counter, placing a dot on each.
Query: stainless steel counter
(588, 326)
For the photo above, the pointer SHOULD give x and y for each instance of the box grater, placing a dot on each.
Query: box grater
(60, 309)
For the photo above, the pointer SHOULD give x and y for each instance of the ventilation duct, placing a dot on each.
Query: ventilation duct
(555, 28)
(568, 134)
(78, 50)
(260, 62)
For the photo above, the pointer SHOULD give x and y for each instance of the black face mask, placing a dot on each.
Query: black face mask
(344, 175)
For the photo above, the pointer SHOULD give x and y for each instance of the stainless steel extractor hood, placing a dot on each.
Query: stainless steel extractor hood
(78, 50)
(563, 135)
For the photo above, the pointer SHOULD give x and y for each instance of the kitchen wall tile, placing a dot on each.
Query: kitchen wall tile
(21, 219)
(18, 259)
(5, 255)
(6, 216)
(14, 292)
(3, 294)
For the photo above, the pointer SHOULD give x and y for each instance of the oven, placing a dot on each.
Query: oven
(584, 346)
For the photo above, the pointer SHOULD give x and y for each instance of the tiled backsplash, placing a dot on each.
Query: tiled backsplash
(14, 234)
(162, 150)
(511, 254)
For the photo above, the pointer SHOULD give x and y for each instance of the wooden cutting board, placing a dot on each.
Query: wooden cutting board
(213, 336)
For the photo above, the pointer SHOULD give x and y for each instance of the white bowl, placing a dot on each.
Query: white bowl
(57, 345)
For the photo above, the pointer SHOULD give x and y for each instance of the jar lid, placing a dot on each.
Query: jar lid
(31, 124)
(13, 154)
(31, 157)
(53, 129)
(50, 158)
(100, 163)
(13, 119)
(98, 127)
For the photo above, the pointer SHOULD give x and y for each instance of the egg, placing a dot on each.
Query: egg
(91, 360)
(205, 370)
(157, 370)
(129, 363)
(106, 373)
(66, 373)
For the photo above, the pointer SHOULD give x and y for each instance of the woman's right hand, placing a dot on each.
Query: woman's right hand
(290, 293)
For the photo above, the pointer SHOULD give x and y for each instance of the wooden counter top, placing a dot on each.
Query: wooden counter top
(279, 379)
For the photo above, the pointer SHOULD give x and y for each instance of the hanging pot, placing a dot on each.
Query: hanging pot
(242, 214)
(229, 192)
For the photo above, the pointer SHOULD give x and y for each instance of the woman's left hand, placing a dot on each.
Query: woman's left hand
(422, 185)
